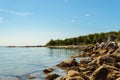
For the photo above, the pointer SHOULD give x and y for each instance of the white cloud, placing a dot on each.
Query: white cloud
(16, 12)
(87, 15)
(73, 21)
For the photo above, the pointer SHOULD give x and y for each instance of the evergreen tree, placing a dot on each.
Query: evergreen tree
(87, 39)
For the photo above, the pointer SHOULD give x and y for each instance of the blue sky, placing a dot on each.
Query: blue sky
(33, 22)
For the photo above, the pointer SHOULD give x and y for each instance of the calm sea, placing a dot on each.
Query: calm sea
(20, 63)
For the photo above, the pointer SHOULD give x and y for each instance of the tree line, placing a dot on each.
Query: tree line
(87, 39)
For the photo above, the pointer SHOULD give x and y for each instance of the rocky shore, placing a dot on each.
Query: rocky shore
(97, 62)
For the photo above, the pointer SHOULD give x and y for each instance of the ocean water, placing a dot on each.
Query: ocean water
(21, 63)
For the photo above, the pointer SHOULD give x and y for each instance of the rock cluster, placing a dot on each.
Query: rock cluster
(98, 62)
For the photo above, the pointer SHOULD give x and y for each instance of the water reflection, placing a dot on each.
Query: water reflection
(59, 53)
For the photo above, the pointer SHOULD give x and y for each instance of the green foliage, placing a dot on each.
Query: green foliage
(87, 39)
(52, 42)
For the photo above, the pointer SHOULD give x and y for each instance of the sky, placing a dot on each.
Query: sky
(35, 22)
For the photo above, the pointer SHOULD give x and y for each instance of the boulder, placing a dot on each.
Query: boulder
(51, 76)
(68, 64)
(112, 45)
(49, 70)
(118, 78)
(100, 74)
(106, 60)
(75, 75)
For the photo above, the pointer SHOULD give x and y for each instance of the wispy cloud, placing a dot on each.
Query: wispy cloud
(16, 12)
(1, 20)
(73, 20)
(87, 15)
(66, 1)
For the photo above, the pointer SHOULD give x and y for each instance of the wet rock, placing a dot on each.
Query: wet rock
(32, 77)
(68, 64)
(51, 76)
(100, 74)
(49, 70)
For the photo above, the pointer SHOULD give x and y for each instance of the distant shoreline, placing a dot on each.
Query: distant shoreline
(24, 46)
(81, 47)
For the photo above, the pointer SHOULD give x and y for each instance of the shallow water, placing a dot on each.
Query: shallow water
(21, 63)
